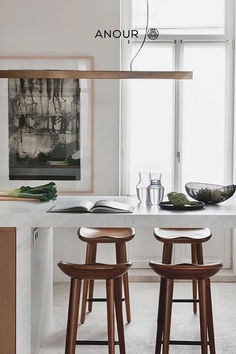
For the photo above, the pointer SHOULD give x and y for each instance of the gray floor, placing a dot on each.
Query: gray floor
(140, 334)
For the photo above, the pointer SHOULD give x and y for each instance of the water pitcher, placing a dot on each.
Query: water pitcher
(142, 185)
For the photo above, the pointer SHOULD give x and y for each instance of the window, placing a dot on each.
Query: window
(181, 16)
(180, 128)
(147, 140)
(204, 133)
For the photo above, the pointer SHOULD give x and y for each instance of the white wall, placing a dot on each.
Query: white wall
(60, 27)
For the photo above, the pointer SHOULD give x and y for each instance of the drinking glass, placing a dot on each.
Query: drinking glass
(155, 190)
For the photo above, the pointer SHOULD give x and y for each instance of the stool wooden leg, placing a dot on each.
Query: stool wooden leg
(203, 313)
(91, 283)
(167, 321)
(110, 315)
(127, 297)
(119, 314)
(121, 257)
(199, 253)
(86, 283)
(166, 259)
(194, 261)
(73, 313)
(161, 315)
(126, 284)
(210, 318)
(167, 253)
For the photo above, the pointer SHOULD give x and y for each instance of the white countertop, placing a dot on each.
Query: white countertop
(28, 214)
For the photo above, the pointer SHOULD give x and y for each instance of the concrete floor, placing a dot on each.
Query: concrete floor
(140, 333)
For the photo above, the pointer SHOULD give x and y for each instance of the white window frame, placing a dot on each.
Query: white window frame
(229, 38)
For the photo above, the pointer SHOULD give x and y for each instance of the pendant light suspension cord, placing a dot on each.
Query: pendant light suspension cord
(144, 38)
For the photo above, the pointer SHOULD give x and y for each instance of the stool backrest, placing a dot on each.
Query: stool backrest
(185, 271)
(94, 271)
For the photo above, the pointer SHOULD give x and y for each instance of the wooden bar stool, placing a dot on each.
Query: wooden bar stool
(200, 273)
(194, 237)
(94, 236)
(112, 274)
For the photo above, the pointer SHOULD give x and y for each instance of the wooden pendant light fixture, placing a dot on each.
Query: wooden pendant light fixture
(82, 74)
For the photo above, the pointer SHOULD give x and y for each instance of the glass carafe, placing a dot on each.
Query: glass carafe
(155, 190)
(142, 185)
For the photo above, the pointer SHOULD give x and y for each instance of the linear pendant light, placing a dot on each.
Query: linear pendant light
(82, 74)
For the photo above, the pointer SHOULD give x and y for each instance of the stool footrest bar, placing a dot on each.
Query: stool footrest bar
(186, 300)
(185, 342)
(94, 342)
(100, 299)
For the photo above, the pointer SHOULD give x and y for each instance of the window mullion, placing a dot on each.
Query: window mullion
(229, 112)
(177, 119)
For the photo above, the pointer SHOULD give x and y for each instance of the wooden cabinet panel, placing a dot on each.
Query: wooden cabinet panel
(7, 291)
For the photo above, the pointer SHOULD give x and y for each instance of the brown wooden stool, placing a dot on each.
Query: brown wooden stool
(93, 236)
(200, 273)
(195, 237)
(112, 274)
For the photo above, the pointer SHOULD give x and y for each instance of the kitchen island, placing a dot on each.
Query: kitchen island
(29, 283)
(28, 214)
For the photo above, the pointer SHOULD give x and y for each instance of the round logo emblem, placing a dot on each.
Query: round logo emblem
(153, 34)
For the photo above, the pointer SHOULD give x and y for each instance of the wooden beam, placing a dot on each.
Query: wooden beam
(82, 74)
(7, 290)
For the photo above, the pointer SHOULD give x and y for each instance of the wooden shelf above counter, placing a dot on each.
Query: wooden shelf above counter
(82, 74)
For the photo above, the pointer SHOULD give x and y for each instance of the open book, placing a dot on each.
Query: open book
(86, 206)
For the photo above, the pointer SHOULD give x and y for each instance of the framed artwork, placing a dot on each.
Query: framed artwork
(47, 127)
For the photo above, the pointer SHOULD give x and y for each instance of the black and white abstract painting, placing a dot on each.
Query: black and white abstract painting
(44, 129)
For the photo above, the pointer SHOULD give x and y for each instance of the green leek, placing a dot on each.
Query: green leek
(44, 193)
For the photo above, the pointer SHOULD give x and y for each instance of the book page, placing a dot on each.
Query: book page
(72, 206)
(111, 205)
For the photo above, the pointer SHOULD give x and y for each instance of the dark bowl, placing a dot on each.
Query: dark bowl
(210, 193)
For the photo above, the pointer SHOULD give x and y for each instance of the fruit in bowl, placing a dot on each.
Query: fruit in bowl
(210, 193)
(179, 199)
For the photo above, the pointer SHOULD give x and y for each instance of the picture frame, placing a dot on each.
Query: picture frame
(47, 137)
